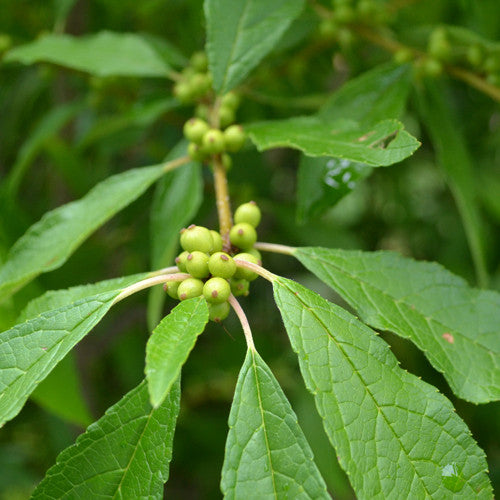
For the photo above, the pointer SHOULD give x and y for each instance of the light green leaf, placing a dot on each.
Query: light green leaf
(100, 54)
(125, 454)
(377, 145)
(29, 351)
(267, 455)
(50, 241)
(454, 159)
(170, 344)
(241, 34)
(395, 435)
(457, 327)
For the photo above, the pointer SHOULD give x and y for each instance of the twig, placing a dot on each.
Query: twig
(243, 320)
(274, 247)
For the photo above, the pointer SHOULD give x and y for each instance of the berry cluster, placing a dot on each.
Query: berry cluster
(213, 273)
(195, 81)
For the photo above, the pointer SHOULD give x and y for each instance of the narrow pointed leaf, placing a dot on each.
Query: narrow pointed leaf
(29, 351)
(241, 34)
(170, 344)
(377, 145)
(125, 454)
(100, 54)
(48, 243)
(455, 160)
(395, 435)
(457, 327)
(267, 455)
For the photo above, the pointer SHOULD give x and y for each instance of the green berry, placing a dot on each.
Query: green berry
(492, 63)
(183, 92)
(403, 56)
(475, 55)
(366, 8)
(494, 79)
(200, 84)
(189, 288)
(226, 116)
(439, 47)
(216, 290)
(243, 235)
(227, 162)
(432, 67)
(234, 138)
(328, 29)
(248, 212)
(202, 111)
(243, 273)
(222, 265)
(230, 100)
(196, 238)
(239, 286)
(256, 254)
(344, 14)
(218, 312)
(197, 264)
(180, 261)
(171, 287)
(199, 61)
(217, 241)
(213, 141)
(195, 152)
(195, 129)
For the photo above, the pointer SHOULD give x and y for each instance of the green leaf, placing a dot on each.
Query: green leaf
(178, 196)
(377, 145)
(457, 327)
(170, 344)
(395, 435)
(267, 455)
(101, 54)
(376, 95)
(454, 159)
(29, 351)
(241, 34)
(125, 454)
(50, 242)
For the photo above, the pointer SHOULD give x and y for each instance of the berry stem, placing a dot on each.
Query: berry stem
(171, 165)
(268, 275)
(165, 270)
(222, 201)
(274, 247)
(243, 320)
(149, 282)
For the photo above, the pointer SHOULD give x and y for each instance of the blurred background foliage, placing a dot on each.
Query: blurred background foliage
(61, 132)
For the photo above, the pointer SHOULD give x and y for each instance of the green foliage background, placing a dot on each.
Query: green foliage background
(407, 207)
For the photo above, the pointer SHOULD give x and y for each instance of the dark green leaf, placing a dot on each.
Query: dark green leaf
(125, 454)
(49, 242)
(267, 455)
(101, 54)
(457, 327)
(241, 34)
(170, 344)
(395, 435)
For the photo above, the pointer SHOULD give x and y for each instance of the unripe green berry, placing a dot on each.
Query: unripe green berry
(344, 14)
(227, 161)
(199, 61)
(230, 100)
(200, 84)
(243, 235)
(239, 286)
(196, 238)
(195, 129)
(248, 212)
(366, 8)
(202, 111)
(494, 79)
(475, 55)
(197, 264)
(226, 116)
(218, 312)
(243, 273)
(432, 67)
(171, 287)
(216, 290)
(234, 138)
(439, 47)
(256, 254)
(492, 63)
(222, 265)
(180, 261)
(213, 141)
(183, 92)
(404, 55)
(217, 241)
(345, 38)
(189, 288)
(195, 152)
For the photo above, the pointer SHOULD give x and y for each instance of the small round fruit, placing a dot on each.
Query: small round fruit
(243, 235)
(196, 238)
(180, 261)
(256, 254)
(432, 67)
(231, 100)
(184, 92)
(213, 141)
(344, 14)
(439, 47)
(366, 8)
(404, 55)
(217, 241)
(226, 116)
(222, 265)
(218, 312)
(234, 138)
(197, 264)
(194, 129)
(216, 290)
(239, 286)
(199, 61)
(195, 152)
(171, 287)
(189, 288)
(248, 212)
(475, 55)
(227, 162)
(200, 84)
(242, 272)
